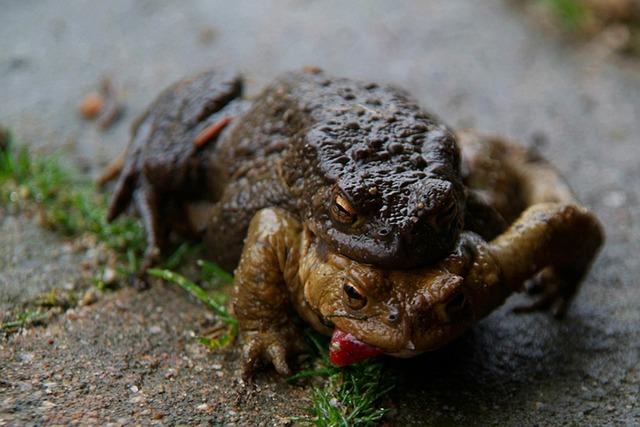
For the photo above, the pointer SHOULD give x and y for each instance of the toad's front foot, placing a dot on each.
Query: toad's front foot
(274, 345)
(556, 244)
(555, 293)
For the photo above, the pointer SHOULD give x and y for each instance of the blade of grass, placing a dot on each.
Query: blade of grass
(183, 251)
(222, 341)
(214, 304)
(310, 373)
(211, 271)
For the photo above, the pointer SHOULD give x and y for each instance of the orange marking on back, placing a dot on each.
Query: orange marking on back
(211, 132)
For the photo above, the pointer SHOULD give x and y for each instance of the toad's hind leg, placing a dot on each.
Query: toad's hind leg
(507, 177)
(540, 182)
(171, 159)
(554, 237)
(504, 179)
(145, 200)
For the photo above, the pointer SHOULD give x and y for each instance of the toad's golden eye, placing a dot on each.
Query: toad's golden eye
(353, 296)
(342, 211)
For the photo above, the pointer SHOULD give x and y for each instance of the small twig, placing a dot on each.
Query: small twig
(113, 169)
(112, 109)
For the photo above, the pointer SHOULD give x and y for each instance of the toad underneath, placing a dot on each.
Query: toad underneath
(346, 204)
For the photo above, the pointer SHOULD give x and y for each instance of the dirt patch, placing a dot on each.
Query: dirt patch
(134, 358)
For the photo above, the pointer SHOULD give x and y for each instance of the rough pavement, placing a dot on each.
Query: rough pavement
(479, 64)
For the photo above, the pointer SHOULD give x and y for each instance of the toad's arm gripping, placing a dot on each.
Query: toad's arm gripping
(559, 238)
(261, 296)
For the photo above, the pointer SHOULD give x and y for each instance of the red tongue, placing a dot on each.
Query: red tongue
(346, 349)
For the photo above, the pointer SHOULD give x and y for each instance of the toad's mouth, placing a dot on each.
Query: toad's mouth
(345, 349)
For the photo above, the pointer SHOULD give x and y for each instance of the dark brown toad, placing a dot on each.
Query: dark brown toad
(353, 207)
(552, 240)
(372, 175)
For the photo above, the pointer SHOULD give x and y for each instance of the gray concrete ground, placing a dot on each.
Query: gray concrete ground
(480, 64)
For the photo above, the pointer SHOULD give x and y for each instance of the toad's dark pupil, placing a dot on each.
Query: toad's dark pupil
(352, 292)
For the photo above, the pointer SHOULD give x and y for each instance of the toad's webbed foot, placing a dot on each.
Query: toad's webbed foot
(551, 246)
(551, 292)
(261, 298)
(555, 244)
(145, 201)
(275, 345)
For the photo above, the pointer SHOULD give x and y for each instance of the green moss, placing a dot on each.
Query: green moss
(64, 201)
(57, 298)
(20, 320)
(67, 202)
(351, 397)
(573, 14)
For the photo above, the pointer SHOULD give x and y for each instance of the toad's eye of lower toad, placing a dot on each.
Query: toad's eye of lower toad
(342, 211)
(354, 297)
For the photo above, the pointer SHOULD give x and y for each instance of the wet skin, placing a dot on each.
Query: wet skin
(551, 241)
(369, 172)
(353, 208)
(401, 312)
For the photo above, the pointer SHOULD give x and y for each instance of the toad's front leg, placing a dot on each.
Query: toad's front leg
(560, 239)
(261, 295)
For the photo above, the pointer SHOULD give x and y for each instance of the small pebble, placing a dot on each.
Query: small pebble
(47, 405)
(91, 105)
(89, 297)
(109, 276)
